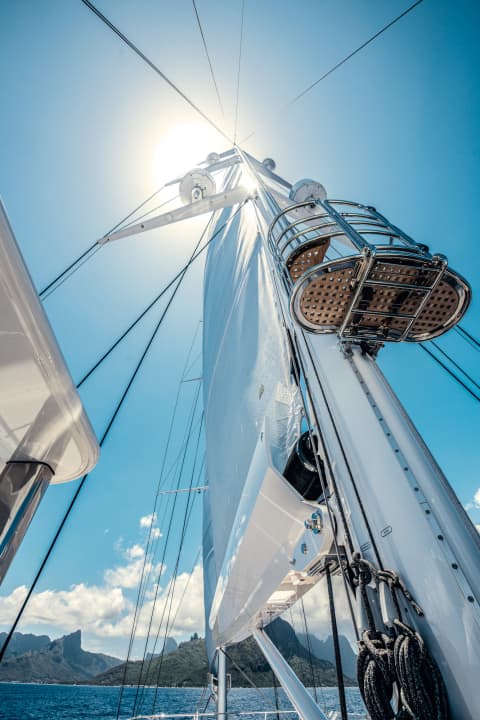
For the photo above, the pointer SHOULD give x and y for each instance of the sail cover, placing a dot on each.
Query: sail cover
(247, 379)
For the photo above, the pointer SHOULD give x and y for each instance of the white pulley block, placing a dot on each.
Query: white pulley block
(307, 190)
(196, 185)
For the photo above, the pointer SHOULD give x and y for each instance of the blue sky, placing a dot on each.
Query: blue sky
(87, 132)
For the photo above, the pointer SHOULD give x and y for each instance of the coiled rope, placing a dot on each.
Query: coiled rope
(394, 668)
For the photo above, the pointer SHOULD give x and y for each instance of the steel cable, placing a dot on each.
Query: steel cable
(162, 562)
(468, 337)
(186, 520)
(352, 54)
(341, 62)
(336, 645)
(84, 478)
(205, 47)
(168, 623)
(152, 65)
(193, 257)
(309, 650)
(237, 94)
(450, 372)
(455, 364)
(54, 284)
(144, 578)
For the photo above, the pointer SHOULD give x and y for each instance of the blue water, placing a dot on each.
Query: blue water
(71, 702)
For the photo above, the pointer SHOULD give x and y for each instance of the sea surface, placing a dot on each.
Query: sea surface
(19, 701)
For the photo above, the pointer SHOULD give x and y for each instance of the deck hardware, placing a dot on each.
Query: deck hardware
(314, 523)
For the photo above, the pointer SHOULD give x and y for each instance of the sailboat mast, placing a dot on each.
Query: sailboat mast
(221, 685)
(390, 501)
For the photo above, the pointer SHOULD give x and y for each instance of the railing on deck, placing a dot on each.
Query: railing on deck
(260, 714)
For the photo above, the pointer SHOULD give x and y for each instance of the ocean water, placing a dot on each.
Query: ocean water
(73, 702)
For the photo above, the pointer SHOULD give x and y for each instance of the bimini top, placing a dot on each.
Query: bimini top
(41, 415)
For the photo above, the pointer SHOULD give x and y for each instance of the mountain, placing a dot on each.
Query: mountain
(21, 643)
(61, 660)
(170, 646)
(324, 649)
(188, 666)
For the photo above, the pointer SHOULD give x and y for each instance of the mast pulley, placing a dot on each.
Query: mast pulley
(196, 185)
(352, 272)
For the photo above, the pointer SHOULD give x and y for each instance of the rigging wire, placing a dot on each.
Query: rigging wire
(450, 372)
(156, 540)
(194, 256)
(154, 67)
(342, 62)
(168, 601)
(237, 94)
(194, 565)
(208, 57)
(84, 478)
(299, 649)
(139, 696)
(197, 357)
(188, 432)
(246, 676)
(467, 336)
(173, 582)
(207, 704)
(352, 54)
(144, 579)
(336, 645)
(54, 284)
(275, 692)
(459, 367)
(186, 520)
(309, 650)
(71, 270)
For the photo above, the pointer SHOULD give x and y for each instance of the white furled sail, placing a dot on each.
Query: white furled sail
(252, 421)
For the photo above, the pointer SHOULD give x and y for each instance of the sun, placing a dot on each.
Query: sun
(181, 148)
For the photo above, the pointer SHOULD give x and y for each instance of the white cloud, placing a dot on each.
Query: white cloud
(129, 575)
(81, 606)
(185, 607)
(136, 551)
(105, 612)
(476, 499)
(147, 520)
(478, 528)
(124, 576)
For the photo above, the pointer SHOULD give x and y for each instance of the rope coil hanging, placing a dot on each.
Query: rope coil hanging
(394, 667)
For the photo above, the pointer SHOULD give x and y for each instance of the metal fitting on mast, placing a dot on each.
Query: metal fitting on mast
(196, 185)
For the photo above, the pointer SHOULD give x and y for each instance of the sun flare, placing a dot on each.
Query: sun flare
(181, 148)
